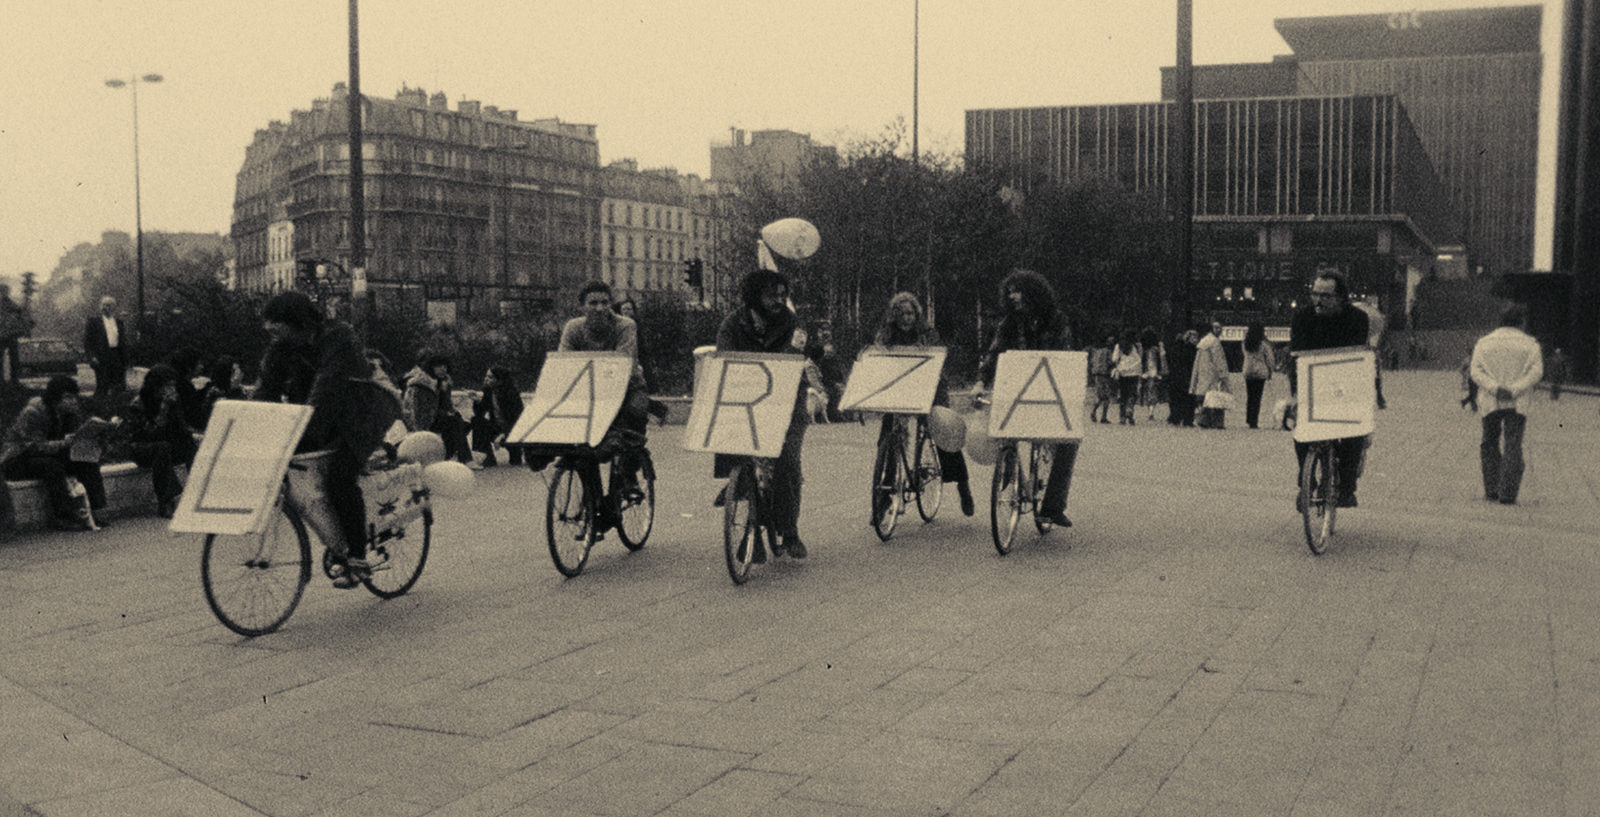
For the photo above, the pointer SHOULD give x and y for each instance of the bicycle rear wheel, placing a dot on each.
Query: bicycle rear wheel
(254, 581)
(888, 487)
(636, 504)
(1040, 458)
(1319, 496)
(1005, 499)
(741, 524)
(397, 561)
(569, 521)
(929, 479)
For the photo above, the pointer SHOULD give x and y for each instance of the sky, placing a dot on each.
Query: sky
(662, 80)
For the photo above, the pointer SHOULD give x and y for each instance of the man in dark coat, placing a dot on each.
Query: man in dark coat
(1329, 322)
(106, 341)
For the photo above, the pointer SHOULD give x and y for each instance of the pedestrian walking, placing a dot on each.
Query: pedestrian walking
(1506, 364)
(1154, 376)
(1180, 368)
(1259, 362)
(105, 340)
(1100, 378)
(1208, 386)
(1127, 366)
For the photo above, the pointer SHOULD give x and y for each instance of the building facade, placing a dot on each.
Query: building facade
(468, 211)
(1283, 188)
(645, 227)
(1469, 80)
(775, 158)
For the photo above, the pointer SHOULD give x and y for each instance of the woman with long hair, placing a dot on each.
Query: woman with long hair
(904, 324)
(1127, 366)
(1155, 370)
(1258, 365)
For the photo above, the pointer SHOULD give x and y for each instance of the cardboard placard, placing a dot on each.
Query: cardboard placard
(743, 403)
(239, 468)
(1337, 395)
(578, 395)
(1038, 395)
(896, 380)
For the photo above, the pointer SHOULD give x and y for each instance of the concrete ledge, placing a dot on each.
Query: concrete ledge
(129, 492)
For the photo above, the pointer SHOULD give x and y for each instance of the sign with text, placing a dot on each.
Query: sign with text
(743, 402)
(1337, 395)
(1038, 395)
(239, 468)
(896, 379)
(577, 397)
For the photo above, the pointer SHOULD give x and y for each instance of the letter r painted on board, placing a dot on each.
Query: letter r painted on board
(723, 399)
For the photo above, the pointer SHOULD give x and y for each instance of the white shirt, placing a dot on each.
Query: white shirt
(1510, 359)
(111, 330)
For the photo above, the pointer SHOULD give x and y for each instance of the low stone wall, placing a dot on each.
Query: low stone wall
(129, 492)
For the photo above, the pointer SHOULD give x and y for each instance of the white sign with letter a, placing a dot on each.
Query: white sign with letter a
(578, 396)
(239, 468)
(897, 380)
(1038, 395)
(1337, 394)
(743, 402)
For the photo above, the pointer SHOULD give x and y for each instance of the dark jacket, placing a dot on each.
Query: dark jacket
(331, 375)
(1025, 330)
(1309, 331)
(96, 345)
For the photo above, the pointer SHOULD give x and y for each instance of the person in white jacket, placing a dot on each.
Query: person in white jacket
(1506, 364)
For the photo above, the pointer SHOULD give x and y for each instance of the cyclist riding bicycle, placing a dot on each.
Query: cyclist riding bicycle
(1033, 321)
(764, 323)
(904, 325)
(319, 362)
(601, 329)
(1329, 322)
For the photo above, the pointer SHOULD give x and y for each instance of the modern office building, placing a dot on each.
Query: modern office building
(468, 211)
(1284, 187)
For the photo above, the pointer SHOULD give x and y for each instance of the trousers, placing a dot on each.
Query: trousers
(1500, 454)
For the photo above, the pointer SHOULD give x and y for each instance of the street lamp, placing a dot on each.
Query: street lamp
(138, 218)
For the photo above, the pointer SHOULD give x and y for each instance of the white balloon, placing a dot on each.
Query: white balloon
(793, 238)
(948, 430)
(449, 479)
(981, 448)
(423, 447)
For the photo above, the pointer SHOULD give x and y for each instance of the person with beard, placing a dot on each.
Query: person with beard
(601, 329)
(1034, 321)
(1328, 322)
(765, 323)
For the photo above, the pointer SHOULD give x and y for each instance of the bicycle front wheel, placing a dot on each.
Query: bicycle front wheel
(1319, 496)
(929, 480)
(397, 561)
(1040, 458)
(569, 522)
(1005, 499)
(636, 504)
(741, 525)
(888, 487)
(254, 581)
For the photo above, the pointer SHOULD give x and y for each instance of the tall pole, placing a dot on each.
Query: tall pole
(1182, 151)
(358, 205)
(138, 210)
(916, 45)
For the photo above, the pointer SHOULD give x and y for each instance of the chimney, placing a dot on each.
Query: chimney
(468, 107)
(439, 101)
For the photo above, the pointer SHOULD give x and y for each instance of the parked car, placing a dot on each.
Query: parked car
(39, 357)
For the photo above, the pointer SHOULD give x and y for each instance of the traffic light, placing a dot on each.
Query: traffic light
(29, 286)
(692, 270)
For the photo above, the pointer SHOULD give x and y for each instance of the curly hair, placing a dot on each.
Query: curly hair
(1038, 297)
(896, 301)
(756, 282)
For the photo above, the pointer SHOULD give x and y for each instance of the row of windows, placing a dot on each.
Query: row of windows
(663, 217)
(662, 248)
(457, 128)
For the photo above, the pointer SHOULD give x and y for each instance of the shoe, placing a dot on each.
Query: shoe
(1059, 519)
(472, 465)
(99, 521)
(488, 463)
(1347, 500)
(1299, 503)
(351, 572)
(166, 509)
(795, 547)
(72, 523)
(1491, 497)
(1508, 500)
(967, 508)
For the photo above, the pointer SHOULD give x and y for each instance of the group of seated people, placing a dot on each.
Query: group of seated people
(156, 428)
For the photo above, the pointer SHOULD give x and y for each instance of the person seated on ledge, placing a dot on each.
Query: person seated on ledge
(157, 435)
(38, 445)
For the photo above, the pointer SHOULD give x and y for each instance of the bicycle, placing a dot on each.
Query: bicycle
(1015, 491)
(898, 477)
(748, 530)
(253, 582)
(1319, 494)
(571, 516)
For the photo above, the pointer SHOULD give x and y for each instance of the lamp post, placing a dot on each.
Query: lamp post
(138, 217)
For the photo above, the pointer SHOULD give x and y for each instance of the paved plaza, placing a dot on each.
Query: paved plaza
(1178, 651)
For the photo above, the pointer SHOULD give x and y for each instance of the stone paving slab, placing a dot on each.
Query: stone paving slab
(1177, 652)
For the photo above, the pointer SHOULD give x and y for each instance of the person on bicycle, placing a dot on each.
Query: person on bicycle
(601, 329)
(318, 362)
(764, 323)
(1328, 322)
(1034, 321)
(904, 325)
